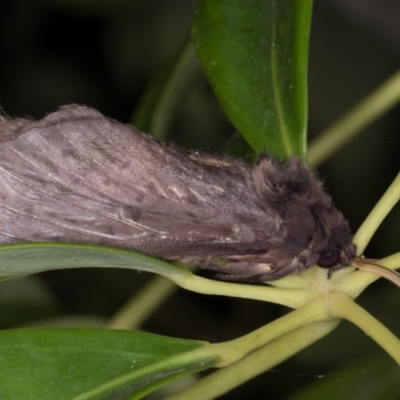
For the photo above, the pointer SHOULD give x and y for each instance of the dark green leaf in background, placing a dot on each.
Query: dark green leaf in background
(255, 54)
(372, 378)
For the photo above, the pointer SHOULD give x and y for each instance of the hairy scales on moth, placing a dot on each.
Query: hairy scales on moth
(77, 176)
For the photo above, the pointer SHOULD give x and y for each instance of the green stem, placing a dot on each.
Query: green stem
(343, 306)
(377, 215)
(234, 350)
(353, 284)
(142, 304)
(179, 81)
(370, 109)
(257, 362)
(292, 297)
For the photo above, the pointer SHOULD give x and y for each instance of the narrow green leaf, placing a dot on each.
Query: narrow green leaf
(31, 258)
(41, 364)
(255, 54)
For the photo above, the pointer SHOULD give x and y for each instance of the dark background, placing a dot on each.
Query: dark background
(105, 54)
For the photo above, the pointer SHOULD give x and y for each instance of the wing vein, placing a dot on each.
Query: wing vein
(94, 210)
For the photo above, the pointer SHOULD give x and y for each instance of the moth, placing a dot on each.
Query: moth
(77, 176)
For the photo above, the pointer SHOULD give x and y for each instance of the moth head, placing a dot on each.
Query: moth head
(337, 258)
(339, 252)
(334, 250)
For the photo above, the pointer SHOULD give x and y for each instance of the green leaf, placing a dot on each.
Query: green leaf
(31, 258)
(93, 364)
(255, 54)
(374, 378)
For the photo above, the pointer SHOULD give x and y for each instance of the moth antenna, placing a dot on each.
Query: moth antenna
(365, 264)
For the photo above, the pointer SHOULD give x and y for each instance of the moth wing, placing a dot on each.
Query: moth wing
(77, 176)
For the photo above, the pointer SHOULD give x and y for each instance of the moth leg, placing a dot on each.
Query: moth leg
(255, 272)
(242, 271)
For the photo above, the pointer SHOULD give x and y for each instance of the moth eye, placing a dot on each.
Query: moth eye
(328, 258)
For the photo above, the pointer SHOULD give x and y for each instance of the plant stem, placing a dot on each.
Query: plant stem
(257, 362)
(180, 79)
(232, 351)
(292, 297)
(142, 304)
(367, 111)
(353, 284)
(342, 306)
(377, 215)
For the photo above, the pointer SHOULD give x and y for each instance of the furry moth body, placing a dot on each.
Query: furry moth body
(77, 176)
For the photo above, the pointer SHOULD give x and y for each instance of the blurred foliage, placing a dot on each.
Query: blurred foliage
(105, 54)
